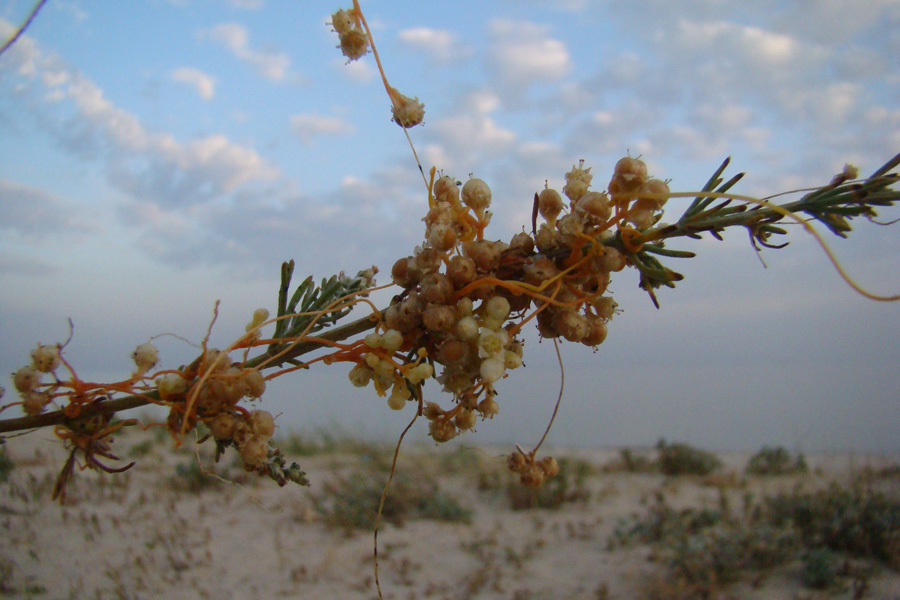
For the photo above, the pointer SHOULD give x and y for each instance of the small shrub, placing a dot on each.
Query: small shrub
(567, 486)
(630, 462)
(856, 520)
(191, 478)
(682, 459)
(141, 448)
(662, 523)
(775, 461)
(351, 501)
(820, 568)
(6, 465)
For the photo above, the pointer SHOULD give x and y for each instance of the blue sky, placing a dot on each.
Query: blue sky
(157, 156)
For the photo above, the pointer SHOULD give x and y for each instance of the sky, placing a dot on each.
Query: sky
(158, 156)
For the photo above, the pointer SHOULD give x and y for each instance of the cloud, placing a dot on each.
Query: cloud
(247, 4)
(522, 53)
(274, 66)
(443, 46)
(28, 210)
(311, 125)
(203, 84)
(142, 163)
(470, 134)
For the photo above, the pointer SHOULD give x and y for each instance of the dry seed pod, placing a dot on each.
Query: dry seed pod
(33, 403)
(342, 21)
(522, 242)
(594, 206)
(26, 378)
(531, 476)
(488, 407)
(262, 423)
(402, 273)
(442, 237)
(516, 462)
(461, 270)
(657, 187)
(540, 270)
(45, 358)
(476, 195)
(436, 288)
(446, 190)
(255, 382)
(550, 204)
(629, 175)
(577, 181)
(222, 426)
(439, 317)
(407, 112)
(354, 43)
(254, 451)
(549, 466)
(571, 325)
(596, 333)
(484, 253)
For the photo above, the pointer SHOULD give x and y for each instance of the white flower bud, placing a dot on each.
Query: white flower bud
(260, 316)
(145, 357)
(392, 340)
(171, 384)
(476, 195)
(492, 369)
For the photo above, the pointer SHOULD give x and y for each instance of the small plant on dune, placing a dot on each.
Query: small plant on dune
(350, 501)
(456, 320)
(6, 465)
(836, 534)
(683, 459)
(776, 461)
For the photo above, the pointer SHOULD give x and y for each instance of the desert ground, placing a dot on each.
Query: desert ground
(615, 523)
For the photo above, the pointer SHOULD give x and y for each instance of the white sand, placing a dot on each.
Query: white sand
(138, 535)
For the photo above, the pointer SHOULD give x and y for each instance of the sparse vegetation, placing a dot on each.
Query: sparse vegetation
(350, 501)
(683, 459)
(6, 465)
(705, 550)
(776, 461)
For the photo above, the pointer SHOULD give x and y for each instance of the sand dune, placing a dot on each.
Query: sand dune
(456, 527)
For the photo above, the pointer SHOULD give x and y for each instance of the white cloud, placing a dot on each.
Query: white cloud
(247, 4)
(357, 70)
(523, 53)
(203, 84)
(310, 125)
(471, 134)
(144, 164)
(271, 65)
(442, 45)
(29, 210)
(755, 46)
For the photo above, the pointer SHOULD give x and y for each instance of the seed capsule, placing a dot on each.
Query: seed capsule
(550, 204)
(407, 112)
(45, 358)
(476, 195)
